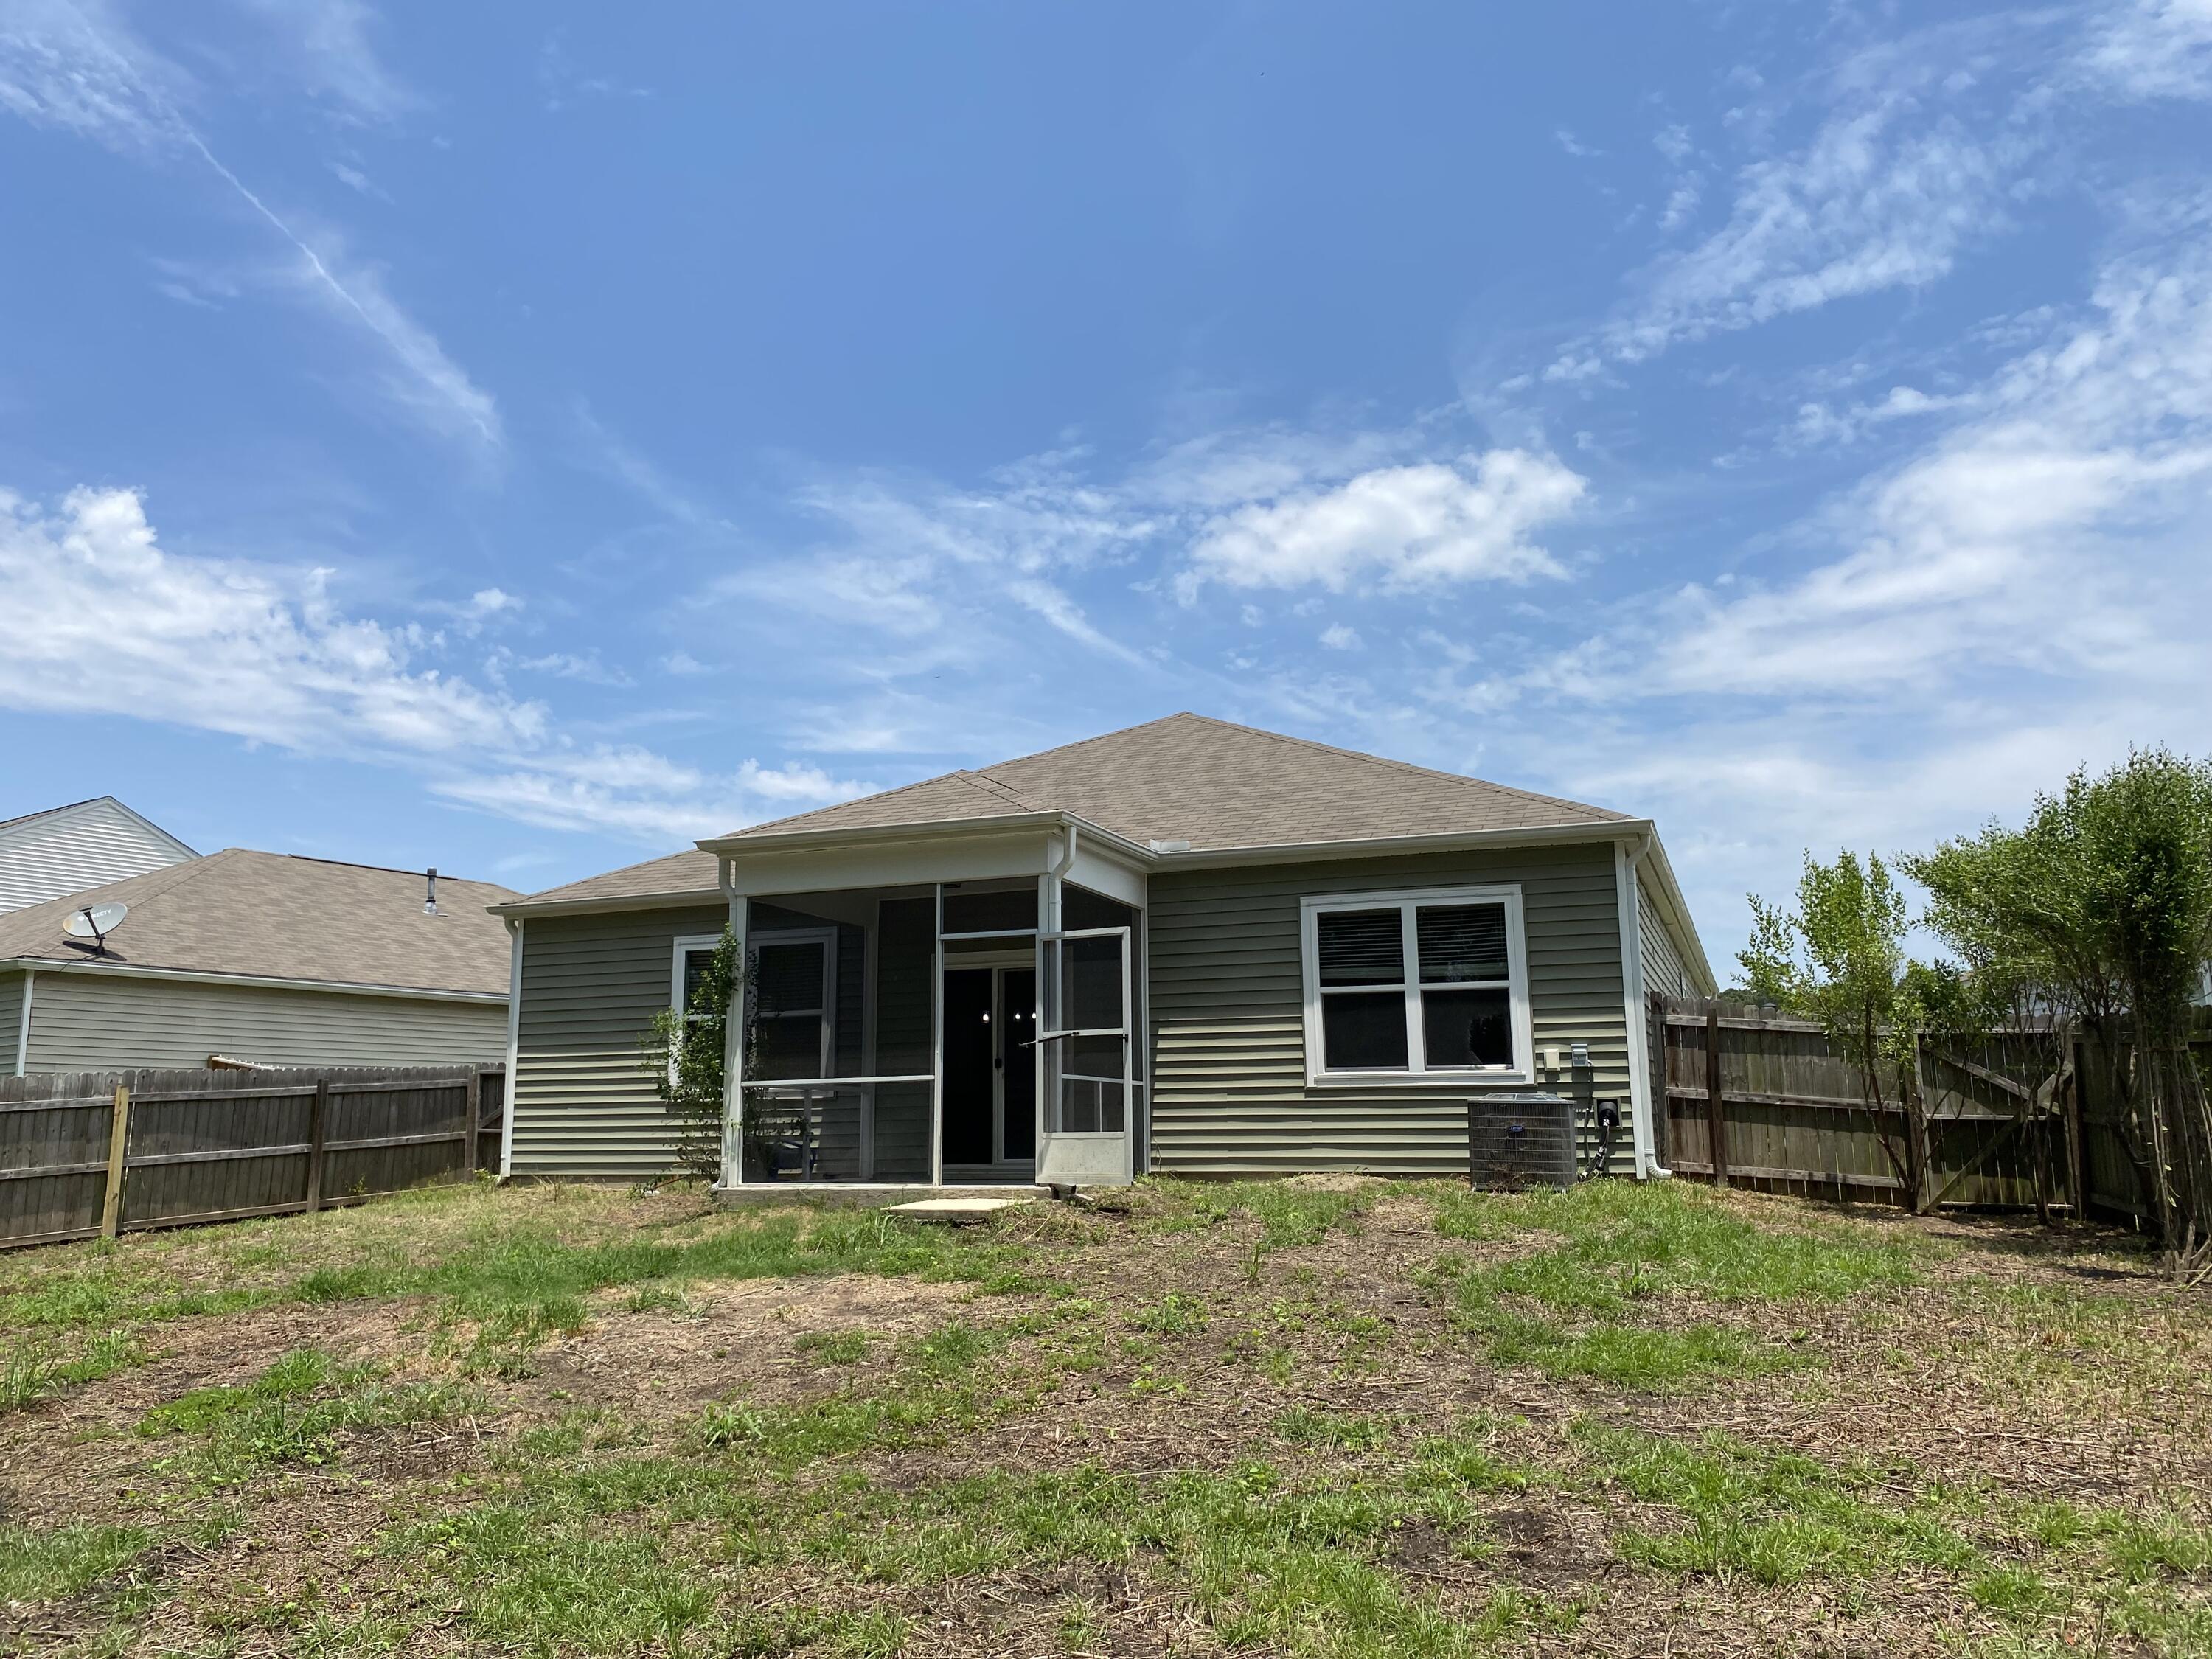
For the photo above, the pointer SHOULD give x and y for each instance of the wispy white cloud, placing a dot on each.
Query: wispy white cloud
(564, 85)
(2026, 589)
(327, 47)
(108, 621)
(2154, 49)
(1884, 197)
(1426, 526)
(72, 66)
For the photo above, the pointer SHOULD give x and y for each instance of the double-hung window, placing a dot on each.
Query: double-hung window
(794, 978)
(695, 954)
(1430, 986)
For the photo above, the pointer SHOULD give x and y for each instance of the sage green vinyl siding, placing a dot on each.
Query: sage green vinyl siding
(85, 1021)
(11, 1020)
(1663, 972)
(591, 985)
(1230, 1090)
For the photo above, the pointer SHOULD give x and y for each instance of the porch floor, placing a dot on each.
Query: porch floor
(860, 1195)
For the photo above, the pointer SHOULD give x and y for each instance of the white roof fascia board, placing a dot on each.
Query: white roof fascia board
(1603, 833)
(1011, 824)
(195, 976)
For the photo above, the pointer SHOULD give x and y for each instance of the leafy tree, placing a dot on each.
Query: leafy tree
(686, 1053)
(2099, 914)
(1838, 957)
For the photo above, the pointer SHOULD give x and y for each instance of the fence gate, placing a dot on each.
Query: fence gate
(1755, 1098)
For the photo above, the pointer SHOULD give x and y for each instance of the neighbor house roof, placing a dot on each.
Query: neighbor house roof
(1215, 784)
(1187, 778)
(272, 915)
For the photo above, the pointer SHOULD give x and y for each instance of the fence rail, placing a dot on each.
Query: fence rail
(1755, 1098)
(86, 1153)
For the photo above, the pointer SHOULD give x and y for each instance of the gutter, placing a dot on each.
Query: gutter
(197, 976)
(1281, 852)
(1010, 823)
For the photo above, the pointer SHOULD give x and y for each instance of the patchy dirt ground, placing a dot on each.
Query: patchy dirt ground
(1338, 1418)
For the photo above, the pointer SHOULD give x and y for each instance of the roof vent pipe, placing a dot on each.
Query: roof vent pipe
(430, 893)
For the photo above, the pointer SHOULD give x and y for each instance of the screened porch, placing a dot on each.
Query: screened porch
(957, 1033)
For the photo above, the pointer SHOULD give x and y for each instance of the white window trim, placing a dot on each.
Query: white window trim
(683, 945)
(1516, 947)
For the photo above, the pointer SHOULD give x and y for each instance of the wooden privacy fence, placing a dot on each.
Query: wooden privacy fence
(1755, 1098)
(102, 1153)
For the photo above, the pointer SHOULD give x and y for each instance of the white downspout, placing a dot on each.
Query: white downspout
(23, 1025)
(733, 1046)
(513, 1043)
(1060, 866)
(1624, 861)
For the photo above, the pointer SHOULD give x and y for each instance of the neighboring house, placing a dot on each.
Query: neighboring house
(65, 849)
(260, 957)
(1189, 947)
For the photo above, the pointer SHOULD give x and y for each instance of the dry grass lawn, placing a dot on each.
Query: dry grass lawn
(1315, 1418)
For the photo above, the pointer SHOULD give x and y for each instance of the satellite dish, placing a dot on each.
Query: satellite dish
(96, 922)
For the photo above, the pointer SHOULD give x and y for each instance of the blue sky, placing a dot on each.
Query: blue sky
(525, 439)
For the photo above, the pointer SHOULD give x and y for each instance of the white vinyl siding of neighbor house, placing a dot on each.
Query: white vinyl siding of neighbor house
(93, 1022)
(1231, 1094)
(1663, 971)
(54, 855)
(584, 1104)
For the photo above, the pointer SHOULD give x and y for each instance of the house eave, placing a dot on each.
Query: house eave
(59, 965)
(875, 835)
(1602, 832)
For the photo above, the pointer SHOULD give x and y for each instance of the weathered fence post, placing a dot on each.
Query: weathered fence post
(473, 1111)
(1716, 1104)
(2077, 1169)
(118, 1142)
(318, 1119)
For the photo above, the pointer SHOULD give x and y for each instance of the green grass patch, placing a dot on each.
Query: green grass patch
(523, 1281)
(294, 1412)
(835, 1348)
(571, 1557)
(1584, 1305)
(28, 1376)
(1290, 1215)
(1772, 1517)
(46, 1566)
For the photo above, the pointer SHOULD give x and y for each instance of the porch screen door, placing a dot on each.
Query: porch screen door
(1085, 1057)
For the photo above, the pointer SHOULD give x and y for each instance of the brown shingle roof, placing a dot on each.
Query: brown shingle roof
(689, 871)
(1216, 785)
(275, 917)
(1187, 777)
